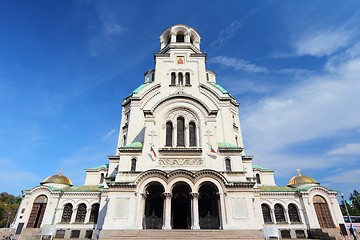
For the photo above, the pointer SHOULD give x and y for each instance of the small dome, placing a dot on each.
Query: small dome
(301, 180)
(57, 178)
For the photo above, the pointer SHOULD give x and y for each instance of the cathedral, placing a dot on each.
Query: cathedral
(180, 164)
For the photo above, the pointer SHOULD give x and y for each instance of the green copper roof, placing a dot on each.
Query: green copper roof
(226, 145)
(76, 188)
(138, 89)
(98, 167)
(276, 189)
(223, 90)
(82, 189)
(138, 145)
(258, 167)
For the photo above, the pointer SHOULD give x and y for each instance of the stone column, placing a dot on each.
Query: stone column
(167, 210)
(195, 210)
(141, 212)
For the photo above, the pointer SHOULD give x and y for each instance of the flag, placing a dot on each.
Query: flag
(212, 150)
(152, 151)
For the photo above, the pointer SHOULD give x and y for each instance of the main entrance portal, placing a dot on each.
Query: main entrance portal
(154, 206)
(181, 206)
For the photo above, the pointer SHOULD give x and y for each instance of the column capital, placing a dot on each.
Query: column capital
(167, 194)
(195, 194)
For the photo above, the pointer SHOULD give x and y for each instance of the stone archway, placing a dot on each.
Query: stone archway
(209, 207)
(154, 206)
(323, 212)
(181, 206)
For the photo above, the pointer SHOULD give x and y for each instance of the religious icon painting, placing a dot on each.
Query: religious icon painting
(180, 59)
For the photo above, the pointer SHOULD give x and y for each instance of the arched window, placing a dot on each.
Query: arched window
(94, 213)
(258, 180)
(227, 165)
(181, 79)
(173, 79)
(192, 40)
(67, 213)
(192, 134)
(102, 176)
(279, 213)
(180, 131)
(266, 213)
(293, 213)
(187, 78)
(133, 165)
(81, 213)
(169, 132)
(180, 37)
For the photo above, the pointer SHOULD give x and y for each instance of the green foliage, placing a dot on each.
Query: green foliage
(353, 204)
(8, 207)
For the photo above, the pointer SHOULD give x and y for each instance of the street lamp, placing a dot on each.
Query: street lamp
(8, 219)
(347, 211)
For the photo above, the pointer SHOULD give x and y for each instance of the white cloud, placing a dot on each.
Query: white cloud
(237, 64)
(322, 43)
(107, 35)
(230, 31)
(110, 134)
(320, 106)
(351, 148)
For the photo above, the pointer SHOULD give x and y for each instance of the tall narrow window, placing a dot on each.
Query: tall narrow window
(81, 213)
(279, 213)
(237, 141)
(173, 79)
(169, 132)
(180, 132)
(192, 134)
(187, 78)
(180, 37)
(266, 213)
(133, 164)
(102, 176)
(68, 210)
(227, 165)
(258, 180)
(181, 79)
(293, 213)
(124, 139)
(94, 213)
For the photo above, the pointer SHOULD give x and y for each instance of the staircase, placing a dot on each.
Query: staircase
(185, 234)
(319, 234)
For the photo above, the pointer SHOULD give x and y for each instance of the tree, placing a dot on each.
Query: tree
(8, 207)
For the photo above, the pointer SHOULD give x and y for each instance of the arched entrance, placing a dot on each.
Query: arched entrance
(37, 212)
(181, 206)
(154, 206)
(323, 212)
(209, 210)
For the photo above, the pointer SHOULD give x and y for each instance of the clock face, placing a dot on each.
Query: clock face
(180, 59)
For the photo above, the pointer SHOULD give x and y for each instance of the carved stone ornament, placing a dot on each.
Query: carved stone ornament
(181, 162)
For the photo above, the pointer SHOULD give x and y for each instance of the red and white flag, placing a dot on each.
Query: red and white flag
(152, 151)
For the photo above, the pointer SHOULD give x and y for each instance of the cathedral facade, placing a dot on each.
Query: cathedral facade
(180, 164)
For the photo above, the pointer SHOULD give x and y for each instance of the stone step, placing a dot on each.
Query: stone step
(182, 234)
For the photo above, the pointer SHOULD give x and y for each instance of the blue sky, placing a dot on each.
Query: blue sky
(65, 67)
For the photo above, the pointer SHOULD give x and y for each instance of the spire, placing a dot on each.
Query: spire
(60, 171)
(298, 172)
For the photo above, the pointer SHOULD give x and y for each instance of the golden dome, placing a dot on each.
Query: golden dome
(57, 178)
(301, 180)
